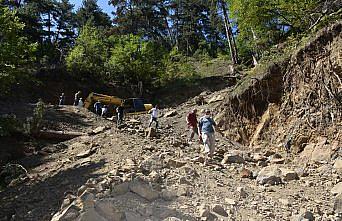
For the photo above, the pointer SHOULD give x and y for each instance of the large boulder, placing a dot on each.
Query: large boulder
(90, 215)
(303, 216)
(107, 209)
(305, 155)
(128, 166)
(206, 214)
(88, 199)
(337, 189)
(169, 194)
(175, 163)
(119, 189)
(288, 175)
(216, 99)
(68, 214)
(321, 151)
(338, 164)
(218, 209)
(152, 163)
(269, 175)
(338, 203)
(234, 157)
(98, 130)
(171, 113)
(246, 173)
(144, 190)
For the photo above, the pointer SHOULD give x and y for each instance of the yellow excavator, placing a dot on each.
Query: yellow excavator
(131, 105)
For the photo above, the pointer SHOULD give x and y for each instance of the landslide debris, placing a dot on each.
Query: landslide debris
(125, 173)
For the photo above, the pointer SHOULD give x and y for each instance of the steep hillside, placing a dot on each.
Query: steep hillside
(294, 100)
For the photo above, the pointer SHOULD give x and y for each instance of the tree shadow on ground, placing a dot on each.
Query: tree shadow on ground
(61, 117)
(39, 201)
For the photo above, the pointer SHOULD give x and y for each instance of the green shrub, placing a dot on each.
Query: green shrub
(34, 123)
(9, 124)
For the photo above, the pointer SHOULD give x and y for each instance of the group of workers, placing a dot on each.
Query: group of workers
(204, 128)
(99, 109)
(78, 101)
(102, 110)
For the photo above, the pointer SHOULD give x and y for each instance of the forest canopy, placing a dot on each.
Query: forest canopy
(146, 41)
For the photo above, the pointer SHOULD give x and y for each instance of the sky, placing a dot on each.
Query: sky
(102, 3)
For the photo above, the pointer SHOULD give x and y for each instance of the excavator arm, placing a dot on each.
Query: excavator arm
(104, 99)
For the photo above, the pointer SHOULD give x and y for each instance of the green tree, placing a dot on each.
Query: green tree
(263, 23)
(144, 18)
(65, 27)
(39, 18)
(187, 25)
(133, 60)
(87, 58)
(16, 54)
(90, 13)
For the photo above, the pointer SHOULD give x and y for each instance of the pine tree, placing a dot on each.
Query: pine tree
(145, 18)
(90, 13)
(65, 26)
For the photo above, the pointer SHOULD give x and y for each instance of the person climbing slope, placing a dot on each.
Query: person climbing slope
(120, 114)
(77, 98)
(191, 120)
(80, 103)
(206, 132)
(62, 99)
(154, 116)
(98, 107)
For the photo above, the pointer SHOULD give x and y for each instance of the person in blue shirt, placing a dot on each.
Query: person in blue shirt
(206, 132)
(97, 107)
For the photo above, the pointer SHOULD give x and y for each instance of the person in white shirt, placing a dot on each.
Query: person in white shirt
(80, 103)
(77, 98)
(154, 116)
(104, 110)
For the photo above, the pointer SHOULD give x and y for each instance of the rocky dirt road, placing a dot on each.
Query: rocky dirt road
(120, 174)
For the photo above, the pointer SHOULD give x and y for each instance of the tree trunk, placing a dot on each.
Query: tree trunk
(171, 35)
(229, 34)
(177, 27)
(255, 53)
(49, 26)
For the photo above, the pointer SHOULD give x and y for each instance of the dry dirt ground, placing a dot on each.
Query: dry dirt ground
(164, 178)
